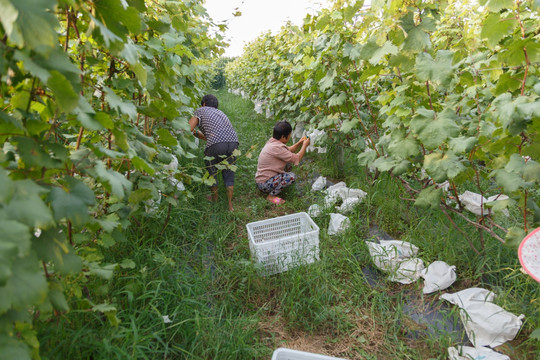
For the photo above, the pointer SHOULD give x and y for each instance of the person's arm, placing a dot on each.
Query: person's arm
(193, 122)
(302, 151)
(294, 147)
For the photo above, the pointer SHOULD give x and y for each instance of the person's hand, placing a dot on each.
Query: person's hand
(306, 141)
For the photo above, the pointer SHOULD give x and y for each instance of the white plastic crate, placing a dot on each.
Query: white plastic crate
(284, 242)
(288, 354)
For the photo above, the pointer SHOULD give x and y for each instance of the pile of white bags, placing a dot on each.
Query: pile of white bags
(349, 197)
(486, 323)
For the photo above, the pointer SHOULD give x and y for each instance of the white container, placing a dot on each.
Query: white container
(284, 242)
(287, 354)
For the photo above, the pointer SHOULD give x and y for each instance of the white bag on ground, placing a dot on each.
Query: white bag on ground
(333, 194)
(464, 297)
(486, 323)
(470, 353)
(438, 276)
(388, 254)
(473, 202)
(348, 205)
(338, 223)
(408, 271)
(314, 210)
(319, 184)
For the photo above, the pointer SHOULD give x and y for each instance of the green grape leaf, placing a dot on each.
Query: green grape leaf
(327, 81)
(33, 155)
(140, 195)
(141, 165)
(442, 167)
(72, 202)
(531, 204)
(352, 51)
(372, 52)
(117, 103)
(14, 243)
(337, 99)
(348, 125)
(111, 39)
(112, 180)
(105, 272)
(63, 91)
(434, 131)
(508, 180)
(26, 286)
(9, 124)
(13, 347)
(515, 56)
(104, 119)
(385, 163)
(166, 139)
(404, 148)
(535, 334)
(53, 247)
(429, 198)
(496, 28)
(366, 158)
(401, 168)
(497, 5)
(531, 171)
(34, 24)
(514, 237)
(117, 18)
(27, 207)
(439, 69)
(58, 300)
(462, 144)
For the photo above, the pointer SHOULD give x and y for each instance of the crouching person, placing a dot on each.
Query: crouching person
(271, 177)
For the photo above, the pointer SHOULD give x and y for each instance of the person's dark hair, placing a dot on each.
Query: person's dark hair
(282, 128)
(210, 100)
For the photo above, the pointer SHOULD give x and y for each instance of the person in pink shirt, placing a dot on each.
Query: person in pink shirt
(271, 177)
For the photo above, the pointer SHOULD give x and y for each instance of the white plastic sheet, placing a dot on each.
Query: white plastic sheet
(486, 323)
(438, 276)
(338, 223)
(319, 184)
(471, 353)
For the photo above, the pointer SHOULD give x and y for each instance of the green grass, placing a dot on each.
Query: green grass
(198, 272)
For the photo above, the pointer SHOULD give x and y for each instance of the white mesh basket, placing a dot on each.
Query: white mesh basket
(284, 242)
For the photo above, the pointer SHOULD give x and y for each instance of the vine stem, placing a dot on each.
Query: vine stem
(527, 61)
(429, 96)
(68, 21)
(166, 220)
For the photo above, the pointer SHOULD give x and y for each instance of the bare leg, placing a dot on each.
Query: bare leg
(229, 196)
(214, 196)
